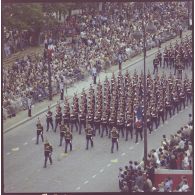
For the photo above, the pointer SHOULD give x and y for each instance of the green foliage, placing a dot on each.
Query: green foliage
(37, 16)
(25, 16)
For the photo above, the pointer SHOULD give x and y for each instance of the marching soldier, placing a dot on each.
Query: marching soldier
(179, 70)
(115, 136)
(49, 119)
(129, 126)
(82, 118)
(188, 87)
(58, 118)
(121, 124)
(138, 130)
(182, 98)
(90, 118)
(112, 122)
(68, 139)
(39, 131)
(66, 117)
(48, 149)
(73, 120)
(104, 122)
(168, 108)
(89, 135)
(63, 129)
(175, 101)
(160, 113)
(148, 121)
(97, 120)
(154, 117)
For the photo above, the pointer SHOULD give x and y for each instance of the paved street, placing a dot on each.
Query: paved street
(95, 170)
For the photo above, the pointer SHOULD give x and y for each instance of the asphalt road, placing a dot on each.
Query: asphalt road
(95, 170)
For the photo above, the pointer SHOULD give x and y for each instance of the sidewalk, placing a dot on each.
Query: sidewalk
(41, 107)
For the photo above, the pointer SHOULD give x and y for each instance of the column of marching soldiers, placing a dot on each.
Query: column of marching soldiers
(113, 106)
(177, 57)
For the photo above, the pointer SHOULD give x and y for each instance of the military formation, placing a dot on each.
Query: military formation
(115, 108)
(177, 57)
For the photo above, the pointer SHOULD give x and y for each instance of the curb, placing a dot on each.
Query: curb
(53, 105)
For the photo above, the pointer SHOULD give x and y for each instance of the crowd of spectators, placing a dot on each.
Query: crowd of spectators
(17, 40)
(93, 38)
(175, 153)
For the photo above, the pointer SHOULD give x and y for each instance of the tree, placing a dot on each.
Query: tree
(27, 16)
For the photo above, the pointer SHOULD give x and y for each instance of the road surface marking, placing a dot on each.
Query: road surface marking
(25, 143)
(8, 153)
(78, 188)
(86, 182)
(131, 148)
(15, 149)
(114, 160)
(123, 154)
(102, 170)
(33, 138)
(94, 176)
(108, 165)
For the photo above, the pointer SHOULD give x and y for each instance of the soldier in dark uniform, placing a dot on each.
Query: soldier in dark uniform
(39, 131)
(68, 139)
(189, 92)
(97, 120)
(154, 117)
(168, 108)
(182, 98)
(115, 136)
(121, 124)
(73, 120)
(89, 135)
(138, 130)
(49, 119)
(66, 117)
(104, 122)
(179, 69)
(82, 117)
(112, 122)
(48, 152)
(129, 126)
(58, 118)
(148, 121)
(90, 119)
(63, 129)
(160, 113)
(175, 102)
